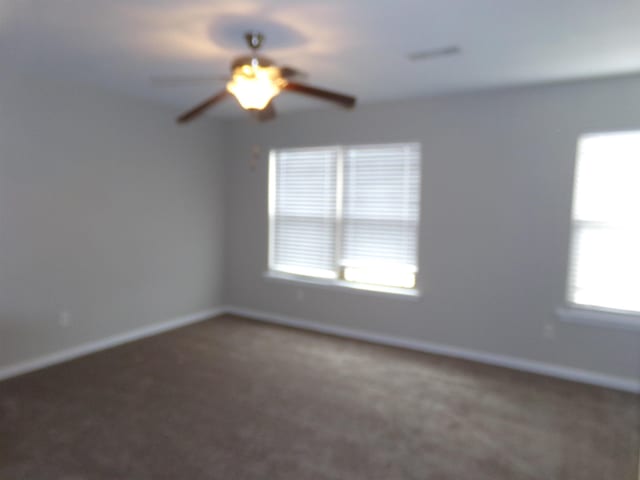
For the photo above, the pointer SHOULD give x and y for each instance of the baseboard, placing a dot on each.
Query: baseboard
(565, 373)
(102, 344)
(532, 366)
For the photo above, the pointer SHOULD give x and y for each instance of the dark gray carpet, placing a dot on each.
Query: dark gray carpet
(234, 399)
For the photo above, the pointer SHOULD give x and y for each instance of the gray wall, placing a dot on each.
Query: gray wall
(497, 181)
(108, 211)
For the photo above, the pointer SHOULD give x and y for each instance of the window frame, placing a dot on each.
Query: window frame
(584, 314)
(339, 281)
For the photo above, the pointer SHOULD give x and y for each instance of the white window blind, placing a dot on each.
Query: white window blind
(303, 204)
(605, 251)
(348, 213)
(380, 213)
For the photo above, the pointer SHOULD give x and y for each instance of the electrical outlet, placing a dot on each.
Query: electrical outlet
(65, 319)
(299, 295)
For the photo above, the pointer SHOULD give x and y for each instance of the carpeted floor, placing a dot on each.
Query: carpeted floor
(232, 399)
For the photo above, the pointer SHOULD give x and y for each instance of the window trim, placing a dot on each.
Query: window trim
(339, 281)
(599, 317)
(344, 285)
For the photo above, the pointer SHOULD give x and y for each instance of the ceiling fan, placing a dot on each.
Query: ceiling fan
(255, 81)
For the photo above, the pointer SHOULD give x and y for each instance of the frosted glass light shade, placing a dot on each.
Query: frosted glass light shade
(255, 86)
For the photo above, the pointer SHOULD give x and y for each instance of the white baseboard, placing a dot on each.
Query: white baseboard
(112, 341)
(565, 373)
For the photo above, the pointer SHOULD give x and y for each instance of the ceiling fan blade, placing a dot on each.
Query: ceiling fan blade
(177, 81)
(290, 72)
(200, 109)
(346, 101)
(267, 113)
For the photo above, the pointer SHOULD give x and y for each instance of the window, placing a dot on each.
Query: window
(604, 265)
(346, 214)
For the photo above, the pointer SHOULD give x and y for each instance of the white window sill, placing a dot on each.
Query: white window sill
(599, 318)
(408, 293)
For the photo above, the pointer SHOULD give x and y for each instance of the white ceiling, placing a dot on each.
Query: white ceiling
(354, 46)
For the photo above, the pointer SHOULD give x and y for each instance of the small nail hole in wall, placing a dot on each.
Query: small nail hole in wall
(256, 151)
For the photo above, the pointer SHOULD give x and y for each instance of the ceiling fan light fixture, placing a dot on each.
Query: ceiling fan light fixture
(256, 80)
(255, 85)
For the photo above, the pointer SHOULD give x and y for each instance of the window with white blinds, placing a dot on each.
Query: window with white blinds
(604, 265)
(303, 211)
(346, 213)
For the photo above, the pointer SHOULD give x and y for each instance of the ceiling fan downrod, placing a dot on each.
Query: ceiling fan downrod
(254, 40)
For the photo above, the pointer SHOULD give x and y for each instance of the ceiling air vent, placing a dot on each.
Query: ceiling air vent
(434, 53)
